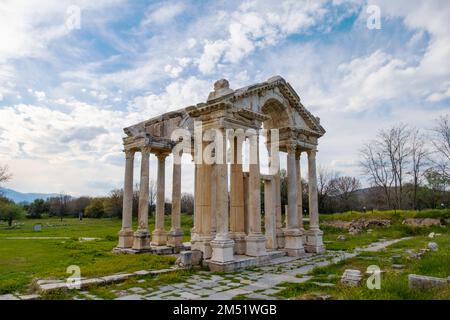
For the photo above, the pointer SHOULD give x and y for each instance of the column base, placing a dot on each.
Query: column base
(314, 241)
(141, 240)
(294, 243)
(280, 239)
(239, 242)
(159, 238)
(202, 243)
(175, 239)
(125, 238)
(302, 230)
(255, 245)
(222, 250)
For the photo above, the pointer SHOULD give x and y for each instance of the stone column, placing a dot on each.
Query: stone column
(255, 240)
(222, 245)
(270, 214)
(159, 235)
(293, 235)
(314, 236)
(142, 235)
(202, 225)
(126, 233)
(196, 209)
(237, 217)
(299, 190)
(277, 195)
(176, 234)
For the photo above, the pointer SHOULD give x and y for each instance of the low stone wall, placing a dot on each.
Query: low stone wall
(425, 282)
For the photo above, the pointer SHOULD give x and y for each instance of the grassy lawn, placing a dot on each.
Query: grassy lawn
(21, 261)
(394, 282)
(388, 214)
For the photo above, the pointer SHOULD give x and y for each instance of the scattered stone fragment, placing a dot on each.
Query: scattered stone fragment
(341, 237)
(189, 258)
(8, 297)
(425, 282)
(137, 290)
(29, 297)
(398, 266)
(431, 235)
(351, 277)
(433, 246)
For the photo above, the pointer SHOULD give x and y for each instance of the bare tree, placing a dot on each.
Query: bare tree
(324, 178)
(187, 203)
(395, 145)
(152, 195)
(5, 175)
(376, 167)
(441, 145)
(418, 161)
(343, 188)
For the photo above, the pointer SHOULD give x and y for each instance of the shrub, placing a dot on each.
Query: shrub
(10, 212)
(95, 209)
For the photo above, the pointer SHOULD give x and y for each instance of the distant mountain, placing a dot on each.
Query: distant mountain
(18, 197)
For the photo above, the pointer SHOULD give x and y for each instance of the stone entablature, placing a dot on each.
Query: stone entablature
(227, 220)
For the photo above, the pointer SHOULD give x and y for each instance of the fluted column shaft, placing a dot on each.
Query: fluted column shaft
(236, 192)
(160, 197)
(312, 183)
(144, 189)
(127, 213)
(126, 233)
(141, 240)
(159, 236)
(254, 187)
(299, 190)
(292, 217)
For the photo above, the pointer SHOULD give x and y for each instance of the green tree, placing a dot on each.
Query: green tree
(95, 209)
(9, 211)
(37, 208)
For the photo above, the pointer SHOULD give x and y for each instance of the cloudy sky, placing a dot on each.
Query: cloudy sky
(68, 86)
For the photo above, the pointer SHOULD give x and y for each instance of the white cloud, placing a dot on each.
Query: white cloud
(258, 25)
(163, 14)
(40, 95)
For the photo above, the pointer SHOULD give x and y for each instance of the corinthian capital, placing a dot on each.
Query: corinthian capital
(145, 149)
(129, 154)
(291, 148)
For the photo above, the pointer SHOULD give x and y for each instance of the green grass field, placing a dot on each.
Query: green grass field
(394, 282)
(21, 261)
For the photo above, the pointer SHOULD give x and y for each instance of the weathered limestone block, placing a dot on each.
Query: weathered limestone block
(294, 242)
(351, 277)
(116, 277)
(425, 282)
(189, 258)
(314, 241)
(222, 250)
(255, 245)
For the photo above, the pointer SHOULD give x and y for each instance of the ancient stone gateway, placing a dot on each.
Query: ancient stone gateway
(227, 217)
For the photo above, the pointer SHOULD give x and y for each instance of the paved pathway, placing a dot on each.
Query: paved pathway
(258, 283)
